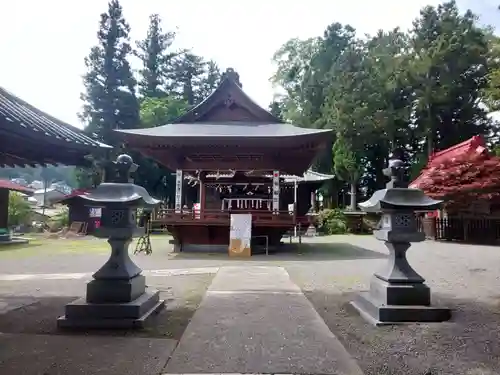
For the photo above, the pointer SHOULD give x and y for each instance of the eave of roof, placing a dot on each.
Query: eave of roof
(223, 131)
(9, 185)
(308, 176)
(20, 113)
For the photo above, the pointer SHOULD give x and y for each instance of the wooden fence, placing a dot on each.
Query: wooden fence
(462, 229)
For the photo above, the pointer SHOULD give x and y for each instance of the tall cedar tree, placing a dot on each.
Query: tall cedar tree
(110, 100)
(210, 79)
(187, 77)
(156, 57)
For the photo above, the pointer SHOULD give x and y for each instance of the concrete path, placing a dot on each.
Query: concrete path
(256, 320)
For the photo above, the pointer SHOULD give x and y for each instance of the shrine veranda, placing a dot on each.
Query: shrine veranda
(232, 156)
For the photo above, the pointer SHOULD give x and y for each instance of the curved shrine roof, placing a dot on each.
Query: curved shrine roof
(222, 130)
(228, 130)
(226, 113)
(22, 123)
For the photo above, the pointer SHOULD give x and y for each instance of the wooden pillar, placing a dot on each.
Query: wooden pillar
(313, 201)
(276, 192)
(4, 208)
(203, 192)
(178, 190)
(295, 187)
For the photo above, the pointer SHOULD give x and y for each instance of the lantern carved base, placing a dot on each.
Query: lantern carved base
(407, 305)
(398, 294)
(116, 298)
(81, 314)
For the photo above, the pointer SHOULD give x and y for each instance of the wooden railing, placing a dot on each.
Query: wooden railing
(215, 217)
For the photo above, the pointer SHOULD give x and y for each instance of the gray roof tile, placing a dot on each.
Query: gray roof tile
(225, 129)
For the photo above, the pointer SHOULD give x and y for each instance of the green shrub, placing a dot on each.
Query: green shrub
(332, 222)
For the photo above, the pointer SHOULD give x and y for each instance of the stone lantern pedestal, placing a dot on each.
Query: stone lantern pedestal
(117, 297)
(398, 294)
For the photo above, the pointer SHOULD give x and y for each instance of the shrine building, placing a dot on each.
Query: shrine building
(231, 156)
(30, 137)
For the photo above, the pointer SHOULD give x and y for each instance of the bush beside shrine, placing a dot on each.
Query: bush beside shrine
(332, 221)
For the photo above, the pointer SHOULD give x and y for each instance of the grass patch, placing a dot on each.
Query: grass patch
(39, 245)
(43, 246)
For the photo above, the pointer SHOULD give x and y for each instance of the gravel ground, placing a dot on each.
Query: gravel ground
(463, 277)
(329, 270)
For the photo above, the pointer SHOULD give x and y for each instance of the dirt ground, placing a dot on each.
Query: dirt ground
(182, 294)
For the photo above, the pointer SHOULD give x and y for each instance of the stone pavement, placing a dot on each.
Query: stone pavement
(256, 320)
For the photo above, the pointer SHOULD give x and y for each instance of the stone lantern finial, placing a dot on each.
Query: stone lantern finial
(124, 166)
(397, 171)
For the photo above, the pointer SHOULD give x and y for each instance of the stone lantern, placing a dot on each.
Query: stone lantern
(117, 297)
(398, 294)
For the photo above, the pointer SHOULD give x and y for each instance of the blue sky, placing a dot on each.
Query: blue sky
(44, 43)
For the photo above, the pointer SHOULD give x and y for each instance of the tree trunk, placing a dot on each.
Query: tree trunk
(352, 206)
(430, 133)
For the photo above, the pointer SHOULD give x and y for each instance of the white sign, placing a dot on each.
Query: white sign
(240, 234)
(178, 191)
(276, 191)
(95, 212)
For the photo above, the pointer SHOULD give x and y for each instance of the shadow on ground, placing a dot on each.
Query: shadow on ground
(296, 252)
(31, 345)
(40, 318)
(466, 345)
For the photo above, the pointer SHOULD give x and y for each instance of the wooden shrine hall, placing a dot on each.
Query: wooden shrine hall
(241, 160)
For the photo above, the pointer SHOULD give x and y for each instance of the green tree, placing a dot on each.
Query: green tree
(19, 210)
(347, 164)
(157, 179)
(156, 57)
(388, 96)
(276, 108)
(492, 90)
(110, 100)
(293, 61)
(449, 74)
(209, 80)
(161, 111)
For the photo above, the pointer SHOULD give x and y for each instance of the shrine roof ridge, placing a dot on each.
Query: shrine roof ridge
(225, 129)
(230, 82)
